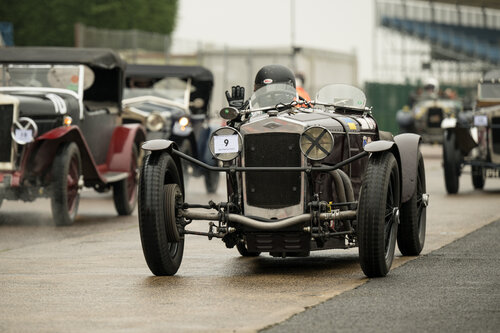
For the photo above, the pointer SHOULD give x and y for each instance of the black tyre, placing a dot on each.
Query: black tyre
(211, 181)
(125, 191)
(451, 162)
(478, 177)
(242, 249)
(159, 184)
(411, 230)
(66, 184)
(378, 214)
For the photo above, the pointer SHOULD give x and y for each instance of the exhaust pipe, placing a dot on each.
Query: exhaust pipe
(269, 224)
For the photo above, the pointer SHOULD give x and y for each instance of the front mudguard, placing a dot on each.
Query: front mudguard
(159, 146)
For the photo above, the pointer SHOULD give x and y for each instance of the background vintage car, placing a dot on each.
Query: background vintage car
(299, 179)
(475, 142)
(61, 128)
(425, 117)
(172, 102)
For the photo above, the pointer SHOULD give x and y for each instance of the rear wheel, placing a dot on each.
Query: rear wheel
(478, 177)
(378, 215)
(451, 162)
(411, 231)
(160, 196)
(125, 191)
(66, 173)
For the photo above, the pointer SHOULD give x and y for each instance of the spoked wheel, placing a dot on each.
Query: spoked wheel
(411, 232)
(211, 181)
(478, 177)
(242, 249)
(378, 215)
(125, 191)
(452, 160)
(66, 185)
(160, 197)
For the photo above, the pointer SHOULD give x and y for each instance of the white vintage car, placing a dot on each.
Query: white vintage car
(477, 141)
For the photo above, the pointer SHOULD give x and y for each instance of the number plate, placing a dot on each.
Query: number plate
(226, 144)
(481, 120)
(24, 135)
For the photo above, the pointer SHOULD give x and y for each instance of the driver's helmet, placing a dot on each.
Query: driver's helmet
(271, 74)
(431, 85)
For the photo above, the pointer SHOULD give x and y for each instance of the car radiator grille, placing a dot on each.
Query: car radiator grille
(434, 117)
(6, 119)
(272, 189)
(495, 134)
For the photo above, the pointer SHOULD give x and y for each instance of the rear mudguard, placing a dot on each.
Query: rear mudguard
(464, 139)
(120, 148)
(405, 149)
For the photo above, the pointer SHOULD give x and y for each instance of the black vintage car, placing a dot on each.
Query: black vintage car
(172, 102)
(61, 128)
(475, 138)
(300, 178)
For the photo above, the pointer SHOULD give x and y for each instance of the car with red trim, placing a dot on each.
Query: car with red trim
(61, 128)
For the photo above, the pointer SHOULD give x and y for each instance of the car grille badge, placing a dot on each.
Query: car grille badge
(272, 125)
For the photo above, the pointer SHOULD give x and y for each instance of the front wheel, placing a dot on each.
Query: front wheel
(411, 232)
(66, 184)
(125, 191)
(451, 162)
(378, 215)
(160, 197)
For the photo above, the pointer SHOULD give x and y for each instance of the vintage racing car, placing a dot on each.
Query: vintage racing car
(425, 117)
(474, 139)
(172, 102)
(61, 128)
(300, 177)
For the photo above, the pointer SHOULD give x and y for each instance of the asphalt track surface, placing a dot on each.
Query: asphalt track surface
(453, 289)
(92, 276)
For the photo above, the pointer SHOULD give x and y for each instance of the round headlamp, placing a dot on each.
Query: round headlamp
(225, 144)
(154, 122)
(316, 143)
(184, 121)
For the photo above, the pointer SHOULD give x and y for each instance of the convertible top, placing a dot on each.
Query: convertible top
(196, 73)
(93, 57)
(201, 78)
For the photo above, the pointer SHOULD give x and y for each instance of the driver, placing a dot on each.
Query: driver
(266, 75)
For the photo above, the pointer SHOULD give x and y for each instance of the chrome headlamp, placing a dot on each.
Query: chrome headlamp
(316, 143)
(225, 144)
(154, 122)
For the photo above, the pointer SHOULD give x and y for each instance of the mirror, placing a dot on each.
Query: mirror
(229, 113)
